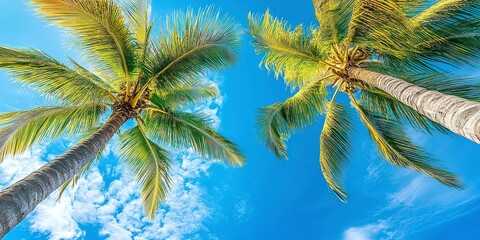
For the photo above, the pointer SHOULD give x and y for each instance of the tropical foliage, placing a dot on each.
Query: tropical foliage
(153, 75)
(410, 40)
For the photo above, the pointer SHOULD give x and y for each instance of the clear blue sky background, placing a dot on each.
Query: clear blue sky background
(267, 199)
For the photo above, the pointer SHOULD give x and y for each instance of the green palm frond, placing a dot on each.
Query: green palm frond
(181, 129)
(190, 46)
(98, 28)
(383, 26)
(291, 53)
(395, 146)
(19, 130)
(333, 16)
(445, 12)
(335, 146)
(150, 163)
(375, 100)
(456, 31)
(412, 7)
(50, 77)
(138, 18)
(278, 120)
(190, 92)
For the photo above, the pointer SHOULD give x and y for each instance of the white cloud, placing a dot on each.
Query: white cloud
(370, 231)
(13, 169)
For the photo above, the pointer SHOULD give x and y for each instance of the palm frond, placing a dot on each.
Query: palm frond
(335, 146)
(395, 146)
(448, 12)
(412, 7)
(138, 18)
(98, 28)
(333, 16)
(42, 73)
(150, 164)
(456, 32)
(181, 129)
(383, 26)
(190, 46)
(294, 54)
(19, 130)
(190, 92)
(277, 121)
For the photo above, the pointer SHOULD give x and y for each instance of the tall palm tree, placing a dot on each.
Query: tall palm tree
(150, 79)
(387, 56)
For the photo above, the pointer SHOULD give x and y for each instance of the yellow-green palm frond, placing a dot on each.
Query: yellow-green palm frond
(383, 26)
(50, 77)
(290, 53)
(335, 146)
(395, 146)
(150, 164)
(191, 45)
(445, 11)
(19, 130)
(333, 16)
(98, 28)
(277, 121)
(456, 32)
(412, 7)
(138, 18)
(191, 92)
(181, 129)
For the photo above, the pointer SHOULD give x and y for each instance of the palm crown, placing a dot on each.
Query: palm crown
(153, 78)
(407, 39)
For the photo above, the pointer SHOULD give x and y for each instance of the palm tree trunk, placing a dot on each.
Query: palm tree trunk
(18, 200)
(457, 114)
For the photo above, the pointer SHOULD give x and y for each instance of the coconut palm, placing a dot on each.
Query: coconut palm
(387, 56)
(152, 79)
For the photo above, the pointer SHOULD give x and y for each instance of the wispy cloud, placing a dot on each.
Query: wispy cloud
(420, 203)
(379, 230)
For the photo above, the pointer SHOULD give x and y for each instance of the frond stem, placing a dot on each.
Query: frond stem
(137, 97)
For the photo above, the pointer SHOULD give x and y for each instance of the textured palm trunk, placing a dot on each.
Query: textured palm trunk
(457, 114)
(21, 198)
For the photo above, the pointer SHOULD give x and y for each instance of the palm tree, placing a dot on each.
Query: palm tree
(149, 79)
(387, 56)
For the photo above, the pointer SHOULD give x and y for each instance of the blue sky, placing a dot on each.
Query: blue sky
(266, 199)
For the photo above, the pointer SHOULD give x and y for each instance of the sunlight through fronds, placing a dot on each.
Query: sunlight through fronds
(191, 45)
(98, 28)
(138, 18)
(190, 92)
(334, 17)
(335, 146)
(294, 54)
(20, 130)
(150, 164)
